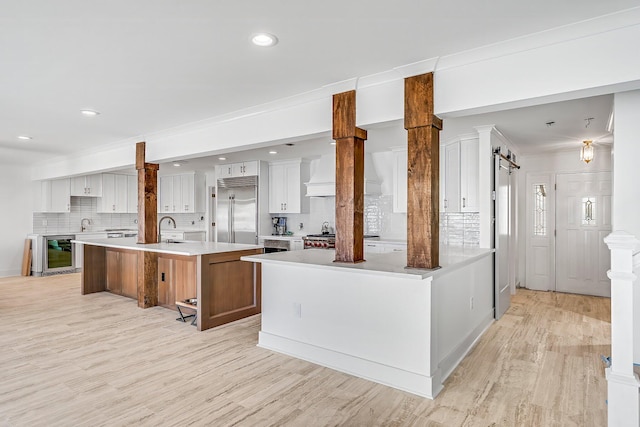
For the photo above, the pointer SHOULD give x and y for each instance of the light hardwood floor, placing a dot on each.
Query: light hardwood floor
(72, 360)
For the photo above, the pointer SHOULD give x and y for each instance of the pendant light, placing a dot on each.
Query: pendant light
(586, 152)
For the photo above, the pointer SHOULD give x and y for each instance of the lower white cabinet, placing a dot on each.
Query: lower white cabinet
(376, 247)
(182, 235)
(296, 245)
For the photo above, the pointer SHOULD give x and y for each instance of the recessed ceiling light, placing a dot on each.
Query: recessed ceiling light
(264, 39)
(89, 113)
(177, 164)
(222, 158)
(273, 152)
(24, 137)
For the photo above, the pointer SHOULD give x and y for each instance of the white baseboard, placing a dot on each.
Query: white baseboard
(412, 382)
(10, 273)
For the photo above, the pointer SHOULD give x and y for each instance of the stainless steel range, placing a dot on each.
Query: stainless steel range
(319, 241)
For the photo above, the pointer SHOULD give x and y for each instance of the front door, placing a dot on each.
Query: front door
(583, 220)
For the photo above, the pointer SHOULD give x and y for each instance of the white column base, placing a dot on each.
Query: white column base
(623, 399)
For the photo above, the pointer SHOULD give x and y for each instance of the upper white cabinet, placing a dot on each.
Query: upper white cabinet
(88, 185)
(400, 180)
(459, 176)
(469, 170)
(114, 194)
(132, 193)
(237, 169)
(450, 177)
(54, 196)
(183, 193)
(286, 191)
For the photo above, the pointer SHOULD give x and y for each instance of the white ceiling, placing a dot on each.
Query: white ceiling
(149, 65)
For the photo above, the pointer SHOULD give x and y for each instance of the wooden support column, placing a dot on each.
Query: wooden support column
(349, 179)
(147, 228)
(423, 173)
(147, 197)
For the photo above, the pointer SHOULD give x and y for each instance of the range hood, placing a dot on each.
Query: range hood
(323, 177)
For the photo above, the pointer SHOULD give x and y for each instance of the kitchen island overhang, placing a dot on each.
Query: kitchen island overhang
(226, 288)
(405, 328)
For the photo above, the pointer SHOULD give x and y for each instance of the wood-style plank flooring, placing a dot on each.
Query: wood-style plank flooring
(72, 360)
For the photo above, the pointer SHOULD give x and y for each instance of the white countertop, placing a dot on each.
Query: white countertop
(188, 248)
(394, 263)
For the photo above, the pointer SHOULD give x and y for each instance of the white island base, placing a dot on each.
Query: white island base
(404, 328)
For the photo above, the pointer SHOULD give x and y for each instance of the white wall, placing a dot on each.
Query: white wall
(15, 216)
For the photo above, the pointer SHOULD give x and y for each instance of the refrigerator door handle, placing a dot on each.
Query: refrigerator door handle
(229, 219)
(232, 229)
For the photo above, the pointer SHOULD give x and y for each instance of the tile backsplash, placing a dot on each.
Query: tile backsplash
(456, 229)
(86, 207)
(460, 228)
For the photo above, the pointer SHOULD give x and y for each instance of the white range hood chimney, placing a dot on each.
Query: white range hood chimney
(323, 177)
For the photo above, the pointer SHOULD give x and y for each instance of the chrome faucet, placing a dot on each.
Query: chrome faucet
(171, 220)
(82, 226)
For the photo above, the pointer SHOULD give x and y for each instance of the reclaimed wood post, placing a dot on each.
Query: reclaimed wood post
(423, 173)
(349, 179)
(147, 228)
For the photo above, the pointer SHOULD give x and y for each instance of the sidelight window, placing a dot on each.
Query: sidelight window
(539, 210)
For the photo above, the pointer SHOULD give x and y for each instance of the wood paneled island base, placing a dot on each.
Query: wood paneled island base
(227, 288)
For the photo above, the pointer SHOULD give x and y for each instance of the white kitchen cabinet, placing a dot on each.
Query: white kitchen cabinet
(114, 194)
(54, 196)
(286, 191)
(400, 181)
(459, 176)
(184, 193)
(87, 186)
(469, 161)
(182, 235)
(377, 247)
(450, 174)
(237, 169)
(132, 193)
(296, 245)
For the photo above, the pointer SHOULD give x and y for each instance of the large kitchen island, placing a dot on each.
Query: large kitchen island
(225, 288)
(406, 328)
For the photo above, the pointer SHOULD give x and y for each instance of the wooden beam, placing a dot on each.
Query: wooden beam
(147, 197)
(147, 279)
(423, 173)
(349, 179)
(147, 228)
(140, 155)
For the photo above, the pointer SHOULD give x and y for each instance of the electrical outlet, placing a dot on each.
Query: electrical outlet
(44, 222)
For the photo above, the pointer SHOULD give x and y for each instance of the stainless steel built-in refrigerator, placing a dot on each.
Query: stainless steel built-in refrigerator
(237, 212)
